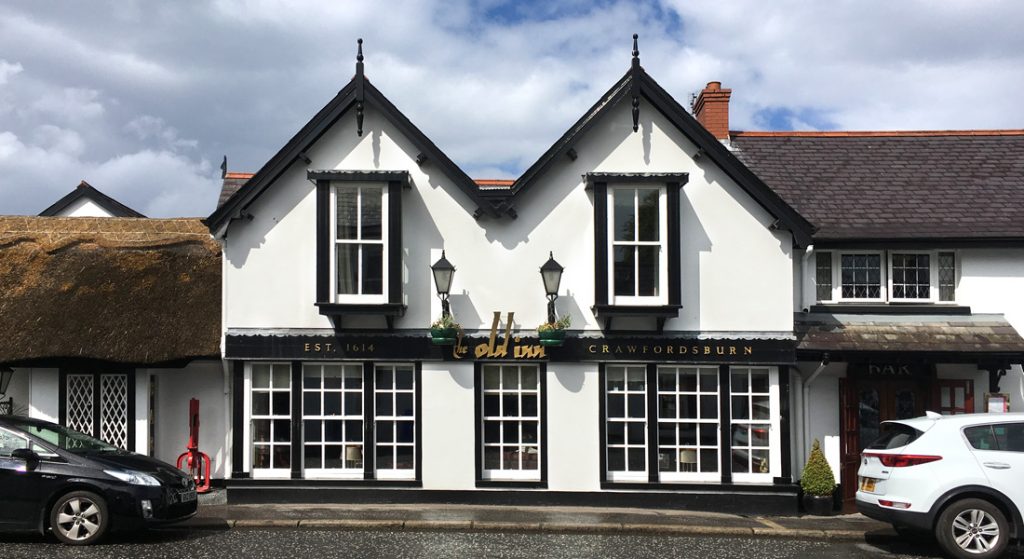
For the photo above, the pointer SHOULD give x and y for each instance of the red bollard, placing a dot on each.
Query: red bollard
(197, 464)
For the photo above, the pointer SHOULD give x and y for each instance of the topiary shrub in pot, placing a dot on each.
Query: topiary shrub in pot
(818, 483)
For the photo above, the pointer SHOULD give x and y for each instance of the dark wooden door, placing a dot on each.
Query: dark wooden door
(865, 404)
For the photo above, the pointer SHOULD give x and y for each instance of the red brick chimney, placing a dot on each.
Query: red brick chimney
(712, 109)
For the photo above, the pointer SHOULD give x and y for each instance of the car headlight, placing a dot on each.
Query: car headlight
(133, 477)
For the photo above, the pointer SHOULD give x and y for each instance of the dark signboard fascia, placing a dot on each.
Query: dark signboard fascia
(482, 348)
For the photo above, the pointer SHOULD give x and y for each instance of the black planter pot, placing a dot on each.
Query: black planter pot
(818, 505)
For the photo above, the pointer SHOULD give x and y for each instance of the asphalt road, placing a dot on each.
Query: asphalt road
(173, 543)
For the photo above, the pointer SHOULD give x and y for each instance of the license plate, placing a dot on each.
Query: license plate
(867, 484)
(187, 496)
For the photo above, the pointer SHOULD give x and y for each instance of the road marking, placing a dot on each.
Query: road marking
(769, 523)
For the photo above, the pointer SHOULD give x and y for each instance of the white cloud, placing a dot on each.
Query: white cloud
(493, 83)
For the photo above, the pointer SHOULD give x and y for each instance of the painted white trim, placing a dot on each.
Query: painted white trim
(662, 243)
(837, 277)
(384, 241)
(933, 276)
(774, 430)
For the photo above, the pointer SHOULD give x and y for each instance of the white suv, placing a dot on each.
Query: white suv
(960, 477)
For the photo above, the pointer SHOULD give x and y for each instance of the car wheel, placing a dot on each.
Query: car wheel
(972, 528)
(79, 518)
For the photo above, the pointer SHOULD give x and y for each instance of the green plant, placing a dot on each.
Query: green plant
(817, 478)
(560, 324)
(446, 321)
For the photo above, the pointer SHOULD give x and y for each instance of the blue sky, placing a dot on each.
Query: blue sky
(142, 99)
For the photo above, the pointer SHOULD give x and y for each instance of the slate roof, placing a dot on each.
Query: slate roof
(122, 290)
(895, 185)
(86, 190)
(979, 333)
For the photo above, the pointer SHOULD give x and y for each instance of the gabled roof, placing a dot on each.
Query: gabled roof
(357, 94)
(930, 186)
(636, 83)
(123, 290)
(87, 191)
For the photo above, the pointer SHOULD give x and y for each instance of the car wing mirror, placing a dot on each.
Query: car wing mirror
(29, 456)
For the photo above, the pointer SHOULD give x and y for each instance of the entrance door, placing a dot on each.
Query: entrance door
(865, 404)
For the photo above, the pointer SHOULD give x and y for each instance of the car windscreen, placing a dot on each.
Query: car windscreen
(64, 438)
(895, 435)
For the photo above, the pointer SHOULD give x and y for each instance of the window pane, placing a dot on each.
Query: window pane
(384, 404)
(637, 459)
(261, 430)
(313, 456)
(861, 276)
(947, 276)
(281, 403)
(371, 215)
(648, 200)
(648, 279)
(625, 223)
(625, 270)
(312, 431)
(282, 430)
(823, 275)
(373, 269)
(911, 276)
(403, 404)
(261, 403)
(282, 376)
(347, 264)
(261, 376)
(333, 431)
(346, 216)
(332, 403)
(311, 403)
(616, 459)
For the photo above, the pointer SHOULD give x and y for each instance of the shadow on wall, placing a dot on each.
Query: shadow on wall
(246, 235)
(571, 380)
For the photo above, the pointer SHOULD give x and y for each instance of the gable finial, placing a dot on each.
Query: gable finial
(359, 88)
(635, 85)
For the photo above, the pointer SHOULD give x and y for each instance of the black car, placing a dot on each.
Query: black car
(54, 478)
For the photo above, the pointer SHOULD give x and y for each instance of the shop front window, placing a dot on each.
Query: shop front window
(688, 426)
(332, 420)
(626, 405)
(270, 401)
(751, 406)
(510, 400)
(395, 421)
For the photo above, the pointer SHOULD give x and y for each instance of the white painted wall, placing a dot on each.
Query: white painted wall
(448, 451)
(726, 240)
(84, 207)
(574, 440)
(19, 389)
(822, 407)
(992, 281)
(44, 394)
(174, 388)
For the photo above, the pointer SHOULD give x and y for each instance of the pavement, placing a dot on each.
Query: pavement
(548, 519)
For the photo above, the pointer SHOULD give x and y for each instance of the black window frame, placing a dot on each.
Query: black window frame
(394, 182)
(673, 183)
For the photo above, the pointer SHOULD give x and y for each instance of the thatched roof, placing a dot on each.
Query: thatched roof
(124, 290)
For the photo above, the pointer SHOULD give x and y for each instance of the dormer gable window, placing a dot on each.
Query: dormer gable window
(359, 242)
(636, 245)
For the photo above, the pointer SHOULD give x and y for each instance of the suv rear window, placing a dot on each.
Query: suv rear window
(896, 435)
(1001, 436)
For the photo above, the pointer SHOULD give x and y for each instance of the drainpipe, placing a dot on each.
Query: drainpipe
(806, 409)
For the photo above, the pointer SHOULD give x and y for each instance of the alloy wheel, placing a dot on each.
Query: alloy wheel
(79, 519)
(975, 531)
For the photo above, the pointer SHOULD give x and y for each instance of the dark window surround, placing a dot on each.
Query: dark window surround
(673, 182)
(725, 417)
(396, 181)
(369, 382)
(478, 416)
(62, 392)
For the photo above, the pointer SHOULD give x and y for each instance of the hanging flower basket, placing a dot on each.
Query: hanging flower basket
(443, 335)
(551, 338)
(552, 334)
